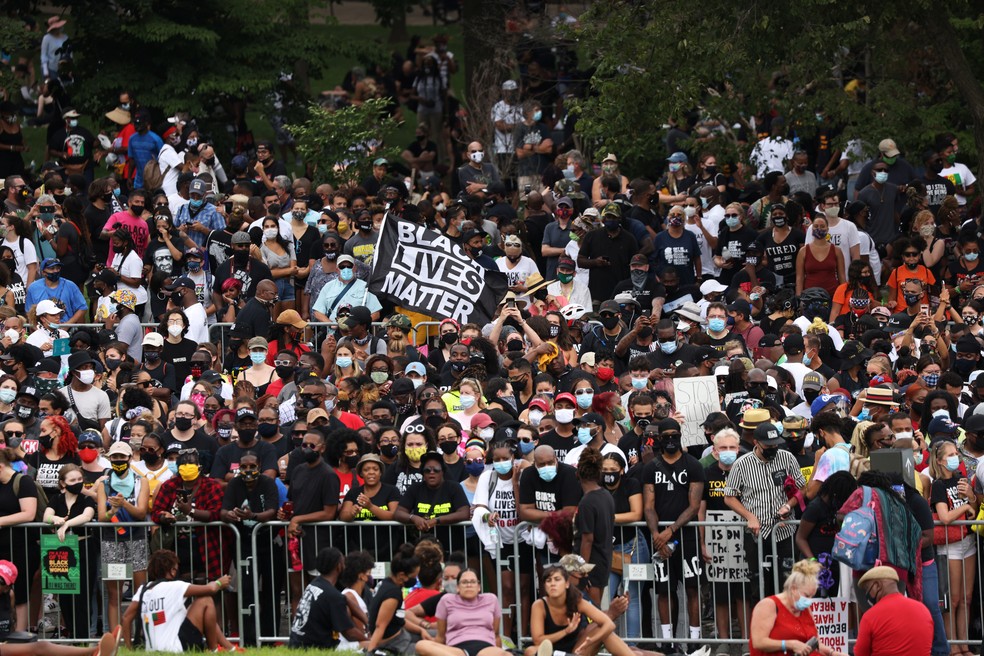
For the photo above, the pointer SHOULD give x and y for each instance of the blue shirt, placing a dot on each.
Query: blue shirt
(207, 216)
(141, 149)
(352, 298)
(67, 292)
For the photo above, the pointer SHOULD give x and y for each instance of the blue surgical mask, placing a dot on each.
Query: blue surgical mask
(583, 435)
(807, 359)
(971, 257)
(864, 415)
(584, 401)
(467, 401)
(881, 177)
(526, 447)
(346, 274)
(475, 468)
(322, 228)
(502, 468)
(704, 202)
(172, 466)
(196, 204)
(117, 192)
(8, 395)
(733, 222)
(716, 325)
(537, 115)
(639, 383)
(802, 604)
(953, 463)
(547, 472)
(668, 348)
(257, 357)
(343, 363)
(728, 457)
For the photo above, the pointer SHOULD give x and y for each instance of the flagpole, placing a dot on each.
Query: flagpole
(375, 260)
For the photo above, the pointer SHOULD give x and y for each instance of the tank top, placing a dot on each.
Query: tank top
(11, 161)
(821, 273)
(549, 626)
(789, 627)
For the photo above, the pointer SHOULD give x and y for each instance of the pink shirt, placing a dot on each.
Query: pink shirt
(135, 226)
(469, 620)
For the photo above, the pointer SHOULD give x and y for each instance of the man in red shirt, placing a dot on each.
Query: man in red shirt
(895, 625)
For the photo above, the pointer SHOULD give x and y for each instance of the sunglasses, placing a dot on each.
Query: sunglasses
(309, 445)
(431, 470)
(583, 392)
(416, 428)
(14, 433)
(732, 216)
(910, 254)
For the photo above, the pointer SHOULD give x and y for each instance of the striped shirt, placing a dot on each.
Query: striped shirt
(759, 487)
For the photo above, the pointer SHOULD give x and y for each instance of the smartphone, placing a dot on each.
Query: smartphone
(228, 208)
(510, 304)
(924, 309)
(620, 590)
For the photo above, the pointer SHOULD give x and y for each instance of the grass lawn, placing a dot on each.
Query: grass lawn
(260, 651)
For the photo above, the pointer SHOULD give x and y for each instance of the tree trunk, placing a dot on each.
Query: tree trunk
(398, 30)
(483, 30)
(945, 40)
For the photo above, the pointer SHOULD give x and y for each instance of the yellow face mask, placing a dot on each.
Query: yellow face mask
(189, 472)
(415, 453)
(343, 227)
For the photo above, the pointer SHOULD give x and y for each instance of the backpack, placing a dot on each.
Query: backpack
(856, 544)
(153, 177)
(42, 498)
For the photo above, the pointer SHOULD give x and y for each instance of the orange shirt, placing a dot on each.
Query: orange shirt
(902, 274)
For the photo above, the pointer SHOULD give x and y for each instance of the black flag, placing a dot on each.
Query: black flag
(423, 270)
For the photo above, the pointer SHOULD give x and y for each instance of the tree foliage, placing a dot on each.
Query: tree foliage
(726, 61)
(342, 144)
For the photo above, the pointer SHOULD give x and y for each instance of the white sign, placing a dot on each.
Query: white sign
(725, 540)
(695, 398)
(638, 572)
(380, 570)
(830, 617)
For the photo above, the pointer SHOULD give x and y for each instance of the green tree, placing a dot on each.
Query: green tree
(874, 69)
(342, 144)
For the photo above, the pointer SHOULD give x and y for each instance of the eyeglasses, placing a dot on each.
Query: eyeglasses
(14, 433)
(468, 582)
(427, 395)
(282, 363)
(431, 470)
(910, 254)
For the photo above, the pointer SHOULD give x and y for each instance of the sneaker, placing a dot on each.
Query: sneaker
(50, 604)
(545, 649)
(109, 644)
(46, 626)
(508, 644)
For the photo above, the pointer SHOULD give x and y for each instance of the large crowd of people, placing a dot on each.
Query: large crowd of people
(187, 347)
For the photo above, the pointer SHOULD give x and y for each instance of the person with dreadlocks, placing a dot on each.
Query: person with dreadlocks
(819, 525)
(127, 264)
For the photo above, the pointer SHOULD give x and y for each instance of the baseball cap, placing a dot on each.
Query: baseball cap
(121, 448)
(888, 148)
(793, 344)
(711, 287)
(814, 381)
(591, 418)
(767, 434)
(153, 339)
(509, 85)
(415, 368)
(742, 306)
(565, 396)
(183, 281)
(198, 186)
(481, 420)
(245, 413)
(769, 340)
(677, 158)
(345, 259)
(47, 306)
(241, 238)
(8, 572)
(638, 260)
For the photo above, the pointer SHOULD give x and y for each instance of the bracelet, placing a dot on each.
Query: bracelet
(784, 646)
(218, 584)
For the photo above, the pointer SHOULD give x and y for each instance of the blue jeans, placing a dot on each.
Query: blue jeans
(639, 548)
(931, 598)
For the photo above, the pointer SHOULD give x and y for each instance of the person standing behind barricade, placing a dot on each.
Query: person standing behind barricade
(673, 484)
(122, 498)
(435, 502)
(895, 625)
(250, 498)
(728, 597)
(372, 501)
(818, 527)
(756, 491)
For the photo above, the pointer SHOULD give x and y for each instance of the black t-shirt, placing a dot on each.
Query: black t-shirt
(375, 540)
(631, 445)
(96, 219)
(179, 355)
(402, 479)
(936, 190)
(427, 502)
(562, 492)
(322, 616)
(672, 482)
(821, 538)
(200, 441)
(59, 504)
(956, 273)
(313, 488)
(307, 248)
(250, 276)
(264, 496)
(732, 246)
(227, 458)
(253, 319)
(218, 246)
(627, 488)
(650, 290)
(763, 278)
(159, 256)
(596, 516)
(619, 251)
(684, 353)
(715, 480)
(561, 445)
(72, 268)
(165, 374)
(387, 590)
(10, 505)
(781, 258)
(47, 476)
(900, 321)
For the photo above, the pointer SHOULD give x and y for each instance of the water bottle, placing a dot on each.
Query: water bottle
(494, 538)
(658, 558)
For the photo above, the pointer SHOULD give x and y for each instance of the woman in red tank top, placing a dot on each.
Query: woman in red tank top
(782, 623)
(819, 263)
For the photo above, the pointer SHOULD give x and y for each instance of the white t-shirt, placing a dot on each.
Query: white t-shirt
(771, 155)
(574, 455)
(131, 267)
(868, 248)
(961, 177)
(502, 501)
(344, 644)
(835, 335)
(22, 258)
(285, 230)
(510, 114)
(170, 162)
(40, 336)
(707, 266)
(519, 273)
(580, 294)
(581, 276)
(197, 323)
(93, 403)
(162, 613)
(844, 235)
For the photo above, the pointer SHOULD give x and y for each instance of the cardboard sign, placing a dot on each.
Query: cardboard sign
(831, 619)
(60, 573)
(726, 547)
(695, 398)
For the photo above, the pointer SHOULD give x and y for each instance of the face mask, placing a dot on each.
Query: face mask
(448, 447)
(151, 459)
(467, 400)
(477, 157)
(971, 257)
(120, 468)
(475, 468)
(583, 435)
(389, 450)
(769, 453)
(270, 233)
(671, 445)
(611, 226)
(802, 604)
(565, 278)
(450, 587)
(343, 363)
(188, 472)
(502, 468)
(310, 456)
(73, 123)
(536, 416)
(931, 379)
(779, 221)
(605, 374)
(75, 488)
(547, 472)
(8, 395)
(609, 322)
(610, 479)
(917, 456)
(574, 236)
(733, 221)
(716, 325)
(584, 401)
(564, 415)
(346, 274)
(676, 220)
(705, 202)
(53, 276)
(24, 412)
(172, 466)
(728, 457)
(379, 377)
(196, 204)
(257, 357)
(819, 234)
(183, 423)
(265, 430)
(881, 177)
(953, 463)
(831, 212)
(414, 453)
(639, 383)
(151, 356)
(675, 166)
(689, 211)
(240, 257)
(86, 376)
(668, 347)
(526, 447)
(224, 433)
(864, 415)
(89, 454)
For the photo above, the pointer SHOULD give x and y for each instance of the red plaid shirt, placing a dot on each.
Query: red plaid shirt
(208, 497)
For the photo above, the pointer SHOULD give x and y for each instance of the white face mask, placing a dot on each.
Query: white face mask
(174, 331)
(270, 233)
(86, 376)
(12, 335)
(477, 157)
(689, 211)
(564, 415)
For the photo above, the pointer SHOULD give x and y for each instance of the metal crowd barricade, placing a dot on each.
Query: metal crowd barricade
(83, 617)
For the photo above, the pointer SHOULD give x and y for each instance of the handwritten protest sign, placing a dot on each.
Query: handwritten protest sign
(830, 617)
(695, 398)
(726, 547)
(60, 572)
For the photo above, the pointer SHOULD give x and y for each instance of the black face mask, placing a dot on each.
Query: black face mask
(286, 372)
(609, 322)
(770, 453)
(912, 299)
(918, 407)
(246, 435)
(449, 338)
(611, 479)
(183, 423)
(448, 447)
(458, 367)
(643, 422)
(26, 412)
(310, 456)
(75, 488)
(389, 450)
(351, 461)
(151, 459)
(266, 430)
(241, 258)
(671, 445)
(46, 441)
(433, 421)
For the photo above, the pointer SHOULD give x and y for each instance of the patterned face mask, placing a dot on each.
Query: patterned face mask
(859, 303)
